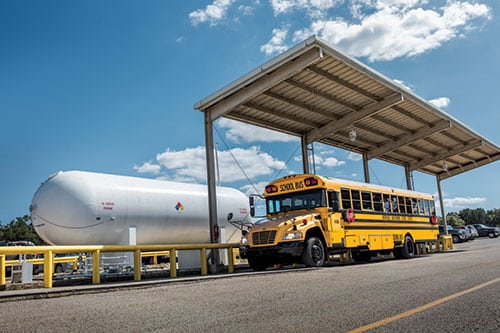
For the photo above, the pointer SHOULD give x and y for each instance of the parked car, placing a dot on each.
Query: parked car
(458, 235)
(10, 257)
(16, 243)
(473, 231)
(484, 230)
(470, 235)
(70, 264)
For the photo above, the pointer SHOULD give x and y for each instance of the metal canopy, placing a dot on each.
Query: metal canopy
(322, 95)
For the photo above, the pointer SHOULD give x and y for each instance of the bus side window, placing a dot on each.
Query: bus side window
(366, 197)
(401, 202)
(394, 204)
(408, 206)
(432, 207)
(387, 203)
(377, 202)
(346, 198)
(420, 206)
(414, 207)
(333, 200)
(356, 203)
(426, 207)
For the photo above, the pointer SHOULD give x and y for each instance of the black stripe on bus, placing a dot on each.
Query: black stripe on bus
(367, 227)
(391, 221)
(371, 212)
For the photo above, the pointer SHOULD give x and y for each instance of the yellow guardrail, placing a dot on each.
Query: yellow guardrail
(154, 255)
(39, 261)
(95, 251)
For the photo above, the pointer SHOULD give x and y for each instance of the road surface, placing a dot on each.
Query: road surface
(446, 292)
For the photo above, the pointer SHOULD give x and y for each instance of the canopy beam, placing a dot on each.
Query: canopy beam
(282, 73)
(351, 118)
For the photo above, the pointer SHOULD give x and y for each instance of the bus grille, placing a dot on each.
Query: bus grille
(264, 237)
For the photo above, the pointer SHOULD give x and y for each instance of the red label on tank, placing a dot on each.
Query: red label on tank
(107, 205)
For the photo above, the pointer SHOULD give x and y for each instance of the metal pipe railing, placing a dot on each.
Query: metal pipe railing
(96, 250)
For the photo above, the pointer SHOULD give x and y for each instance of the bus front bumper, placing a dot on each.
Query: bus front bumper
(285, 249)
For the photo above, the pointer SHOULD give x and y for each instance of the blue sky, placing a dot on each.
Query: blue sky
(109, 86)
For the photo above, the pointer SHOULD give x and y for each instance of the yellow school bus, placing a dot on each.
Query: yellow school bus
(309, 217)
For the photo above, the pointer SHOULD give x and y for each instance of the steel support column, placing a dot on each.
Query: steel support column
(409, 184)
(366, 168)
(212, 199)
(440, 193)
(305, 155)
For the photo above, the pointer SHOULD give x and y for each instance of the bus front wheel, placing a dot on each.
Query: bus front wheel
(314, 252)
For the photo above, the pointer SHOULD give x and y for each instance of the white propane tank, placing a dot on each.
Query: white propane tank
(86, 208)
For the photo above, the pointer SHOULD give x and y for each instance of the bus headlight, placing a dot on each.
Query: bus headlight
(293, 235)
(244, 241)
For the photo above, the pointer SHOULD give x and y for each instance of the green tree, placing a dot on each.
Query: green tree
(454, 220)
(473, 216)
(493, 217)
(20, 229)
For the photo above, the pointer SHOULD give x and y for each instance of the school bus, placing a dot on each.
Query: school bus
(310, 217)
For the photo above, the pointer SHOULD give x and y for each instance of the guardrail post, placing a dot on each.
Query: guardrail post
(137, 265)
(2, 270)
(230, 260)
(203, 259)
(48, 268)
(173, 265)
(96, 267)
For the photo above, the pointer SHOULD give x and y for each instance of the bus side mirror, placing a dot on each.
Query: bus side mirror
(251, 200)
(229, 216)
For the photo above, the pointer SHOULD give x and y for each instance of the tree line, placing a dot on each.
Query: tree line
(474, 216)
(22, 229)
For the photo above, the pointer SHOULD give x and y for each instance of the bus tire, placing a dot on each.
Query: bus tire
(257, 264)
(58, 268)
(313, 254)
(408, 249)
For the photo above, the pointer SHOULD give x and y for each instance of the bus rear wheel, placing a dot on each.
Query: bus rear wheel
(314, 252)
(407, 251)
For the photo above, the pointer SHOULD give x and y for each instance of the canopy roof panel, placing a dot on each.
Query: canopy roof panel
(320, 94)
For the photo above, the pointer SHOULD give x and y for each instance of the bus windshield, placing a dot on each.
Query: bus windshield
(295, 201)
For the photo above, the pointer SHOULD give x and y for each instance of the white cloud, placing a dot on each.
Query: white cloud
(277, 43)
(461, 202)
(374, 29)
(354, 156)
(257, 188)
(403, 84)
(391, 29)
(246, 10)
(284, 6)
(189, 164)
(331, 162)
(441, 102)
(327, 161)
(148, 167)
(213, 13)
(239, 132)
(313, 8)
